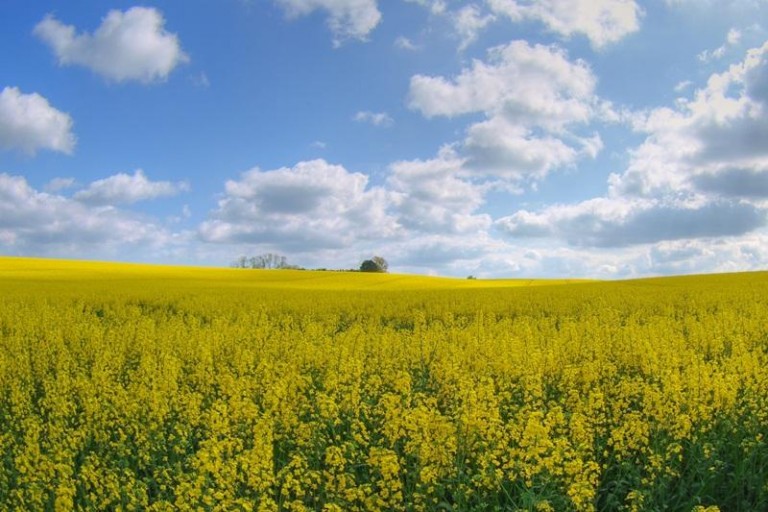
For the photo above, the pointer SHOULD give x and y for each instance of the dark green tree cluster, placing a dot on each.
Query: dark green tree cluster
(375, 264)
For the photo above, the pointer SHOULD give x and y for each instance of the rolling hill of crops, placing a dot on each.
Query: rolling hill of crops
(51, 271)
(131, 387)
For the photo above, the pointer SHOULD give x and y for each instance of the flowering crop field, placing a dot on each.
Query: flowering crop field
(127, 387)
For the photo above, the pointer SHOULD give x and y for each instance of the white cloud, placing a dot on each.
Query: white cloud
(432, 197)
(602, 21)
(29, 123)
(130, 45)
(440, 254)
(347, 19)
(437, 7)
(313, 205)
(59, 184)
(682, 86)
(33, 222)
(701, 175)
(748, 252)
(532, 85)
(736, 182)
(469, 21)
(619, 222)
(121, 189)
(500, 148)
(375, 118)
(732, 39)
(404, 43)
(532, 97)
(719, 133)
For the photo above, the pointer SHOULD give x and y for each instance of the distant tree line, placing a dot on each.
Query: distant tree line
(263, 261)
(276, 261)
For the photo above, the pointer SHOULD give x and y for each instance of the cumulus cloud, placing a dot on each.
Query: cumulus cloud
(537, 258)
(734, 182)
(29, 123)
(469, 21)
(740, 253)
(501, 148)
(530, 84)
(39, 223)
(605, 222)
(602, 21)
(347, 19)
(431, 196)
(313, 205)
(122, 189)
(375, 118)
(720, 132)
(130, 45)
(700, 174)
(720, 255)
(435, 253)
(532, 97)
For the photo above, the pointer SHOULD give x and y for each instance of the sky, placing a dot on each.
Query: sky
(493, 138)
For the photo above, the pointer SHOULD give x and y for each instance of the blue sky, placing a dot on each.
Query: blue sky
(498, 138)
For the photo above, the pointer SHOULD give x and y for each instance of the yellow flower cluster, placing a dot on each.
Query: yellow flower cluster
(146, 388)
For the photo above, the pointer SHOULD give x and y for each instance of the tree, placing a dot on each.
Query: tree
(381, 262)
(375, 264)
(241, 262)
(265, 261)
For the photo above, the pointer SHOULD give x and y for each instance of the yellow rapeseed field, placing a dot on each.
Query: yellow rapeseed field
(129, 387)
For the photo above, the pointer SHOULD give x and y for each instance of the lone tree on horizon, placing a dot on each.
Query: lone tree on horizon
(375, 264)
